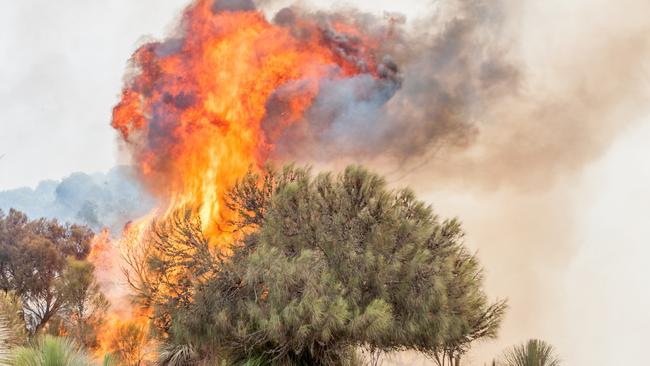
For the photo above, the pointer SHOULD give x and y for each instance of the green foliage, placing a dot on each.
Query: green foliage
(33, 256)
(322, 266)
(480, 320)
(50, 351)
(85, 305)
(532, 353)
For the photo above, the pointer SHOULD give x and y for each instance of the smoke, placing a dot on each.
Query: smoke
(233, 5)
(510, 143)
(500, 108)
(468, 99)
(100, 200)
(442, 74)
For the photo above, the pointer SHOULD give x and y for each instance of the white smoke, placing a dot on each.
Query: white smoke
(98, 200)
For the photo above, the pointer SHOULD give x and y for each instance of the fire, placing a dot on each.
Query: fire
(126, 338)
(204, 107)
(124, 323)
(194, 113)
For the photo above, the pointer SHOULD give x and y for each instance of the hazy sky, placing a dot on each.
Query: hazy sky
(61, 68)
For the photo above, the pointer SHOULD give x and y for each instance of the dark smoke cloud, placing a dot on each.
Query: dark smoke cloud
(98, 200)
(438, 80)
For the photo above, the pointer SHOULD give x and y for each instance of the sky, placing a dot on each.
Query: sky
(62, 65)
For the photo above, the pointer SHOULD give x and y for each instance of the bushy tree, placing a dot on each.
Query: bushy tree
(33, 256)
(321, 266)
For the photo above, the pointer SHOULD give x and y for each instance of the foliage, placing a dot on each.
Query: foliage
(321, 266)
(480, 320)
(32, 259)
(532, 353)
(176, 355)
(5, 336)
(50, 351)
(11, 316)
(85, 305)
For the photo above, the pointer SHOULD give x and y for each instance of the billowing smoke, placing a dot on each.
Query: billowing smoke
(445, 72)
(99, 200)
(472, 101)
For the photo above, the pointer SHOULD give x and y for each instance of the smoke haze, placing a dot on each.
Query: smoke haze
(582, 82)
(99, 200)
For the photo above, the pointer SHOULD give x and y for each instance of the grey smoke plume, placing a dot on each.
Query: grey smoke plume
(100, 201)
(441, 77)
(470, 101)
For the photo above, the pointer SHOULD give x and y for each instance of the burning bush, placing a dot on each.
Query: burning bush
(322, 266)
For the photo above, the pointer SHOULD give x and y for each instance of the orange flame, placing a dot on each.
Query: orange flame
(124, 323)
(193, 114)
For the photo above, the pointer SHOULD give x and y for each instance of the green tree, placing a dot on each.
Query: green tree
(32, 259)
(532, 353)
(85, 304)
(321, 267)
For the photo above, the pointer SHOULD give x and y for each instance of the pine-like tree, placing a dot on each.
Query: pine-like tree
(321, 267)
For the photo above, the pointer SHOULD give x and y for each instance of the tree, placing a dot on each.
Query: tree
(532, 353)
(85, 304)
(320, 267)
(32, 259)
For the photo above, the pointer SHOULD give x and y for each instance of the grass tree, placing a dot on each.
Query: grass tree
(532, 353)
(50, 351)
